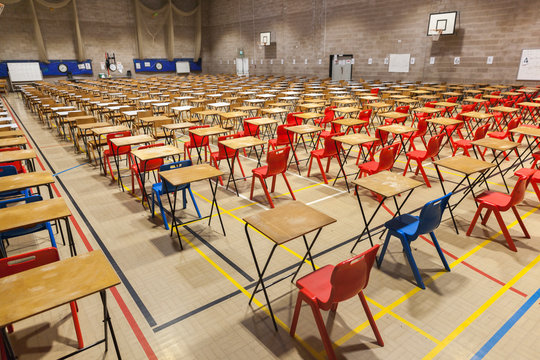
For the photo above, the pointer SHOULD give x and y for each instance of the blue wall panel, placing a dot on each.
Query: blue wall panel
(51, 69)
(168, 66)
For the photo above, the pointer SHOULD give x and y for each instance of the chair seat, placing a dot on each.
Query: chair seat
(405, 224)
(525, 172)
(317, 153)
(493, 198)
(497, 135)
(463, 143)
(318, 283)
(121, 151)
(417, 154)
(370, 167)
(261, 171)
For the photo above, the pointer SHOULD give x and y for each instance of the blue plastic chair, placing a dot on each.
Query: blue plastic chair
(164, 187)
(407, 228)
(4, 236)
(8, 170)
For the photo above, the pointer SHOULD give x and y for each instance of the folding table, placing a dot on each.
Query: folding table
(467, 166)
(275, 112)
(98, 132)
(528, 132)
(231, 119)
(59, 283)
(14, 141)
(27, 155)
(205, 132)
(128, 141)
(264, 122)
(350, 123)
(352, 140)
(27, 180)
(477, 116)
(172, 128)
(350, 111)
(388, 185)
(9, 134)
(300, 130)
(186, 175)
(38, 212)
(281, 225)
(506, 114)
(307, 116)
(530, 108)
(399, 130)
(444, 122)
(500, 146)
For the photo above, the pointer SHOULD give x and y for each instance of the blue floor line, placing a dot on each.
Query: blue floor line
(506, 327)
(71, 168)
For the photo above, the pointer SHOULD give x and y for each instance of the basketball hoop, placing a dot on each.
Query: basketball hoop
(1, 8)
(437, 34)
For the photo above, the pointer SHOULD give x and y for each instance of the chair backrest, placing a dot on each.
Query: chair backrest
(365, 115)
(467, 108)
(197, 140)
(518, 193)
(8, 170)
(148, 165)
(293, 120)
(434, 145)
(374, 91)
(225, 152)
(431, 215)
(22, 262)
(281, 133)
(277, 161)
(387, 157)
(422, 127)
(430, 104)
(331, 146)
(116, 135)
(478, 96)
(351, 276)
(166, 187)
(481, 132)
(452, 99)
(75, 113)
(146, 113)
(251, 129)
(403, 109)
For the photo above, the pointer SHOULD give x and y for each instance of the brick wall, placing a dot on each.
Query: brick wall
(314, 29)
(106, 26)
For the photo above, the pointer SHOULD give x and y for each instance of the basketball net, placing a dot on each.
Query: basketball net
(437, 35)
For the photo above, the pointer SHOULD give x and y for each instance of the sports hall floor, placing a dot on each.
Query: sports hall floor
(193, 304)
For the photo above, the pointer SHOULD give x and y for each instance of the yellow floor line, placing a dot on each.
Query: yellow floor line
(447, 340)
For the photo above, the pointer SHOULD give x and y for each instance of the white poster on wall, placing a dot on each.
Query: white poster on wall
(399, 62)
(529, 65)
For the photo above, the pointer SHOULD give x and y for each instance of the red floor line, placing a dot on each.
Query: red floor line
(119, 300)
(464, 262)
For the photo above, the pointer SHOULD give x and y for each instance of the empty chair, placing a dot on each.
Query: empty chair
(387, 157)
(196, 141)
(146, 166)
(276, 164)
(512, 124)
(116, 151)
(329, 151)
(281, 139)
(364, 115)
(164, 187)
(328, 117)
(407, 228)
(465, 144)
(326, 287)
(433, 147)
(22, 262)
(421, 130)
(497, 202)
(225, 153)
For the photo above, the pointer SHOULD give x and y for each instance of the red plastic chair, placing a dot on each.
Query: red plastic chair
(143, 167)
(480, 133)
(22, 262)
(292, 120)
(421, 130)
(224, 153)
(118, 150)
(276, 164)
(366, 116)
(432, 149)
(250, 129)
(533, 175)
(374, 91)
(196, 141)
(329, 151)
(382, 137)
(452, 99)
(512, 124)
(497, 202)
(18, 164)
(327, 119)
(387, 157)
(326, 287)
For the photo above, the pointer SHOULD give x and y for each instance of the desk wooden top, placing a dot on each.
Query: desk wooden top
(464, 164)
(73, 119)
(109, 129)
(477, 115)
(354, 139)
(310, 105)
(247, 108)
(16, 141)
(427, 110)
(25, 180)
(349, 121)
(132, 140)
(150, 119)
(369, 98)
(387, 184)
(496, 144)
(393, 115)
(529, 104)
(207, 112)
(346, 102)
(34, 291)
(242, 142)
(287, 222)
(504, 109)
(445, 104)
(379, 105)
(91, 126)
(473, 100)
(451, 93)
(304, 129)
(526, 130)
(406, 101)
(31, 214)
(11, 133)
(309, 115)
(397, 129)
(444, 121)
(274, 110)
(208, 131)
(177, 126)
(510, 93)
(17, 155)
(347, 109)
(261, 121)
(232, 114)
(189, 174)
(156, 152)
(492, 96)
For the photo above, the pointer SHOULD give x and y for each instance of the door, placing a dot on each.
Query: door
(242, 66)
(341, 67)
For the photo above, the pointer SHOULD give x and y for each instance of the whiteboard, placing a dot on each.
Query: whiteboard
(529, 65)
(182, 67)
(399, 63)
(24, 71)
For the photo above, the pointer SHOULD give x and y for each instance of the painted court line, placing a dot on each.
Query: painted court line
(506, 327)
